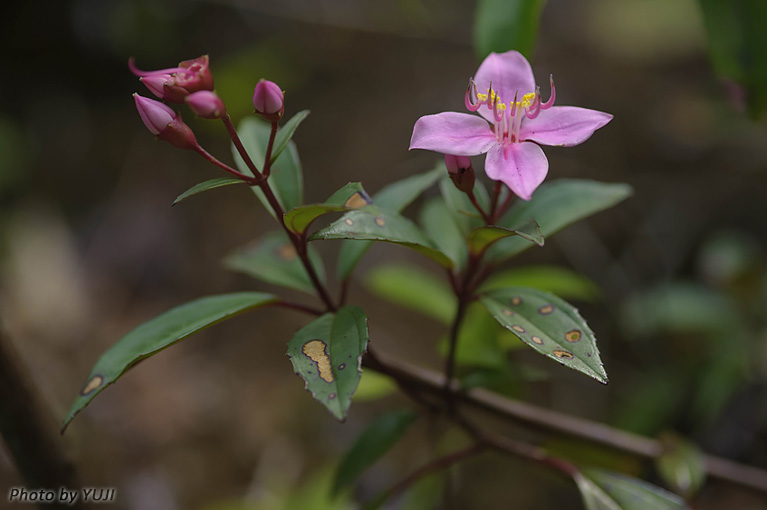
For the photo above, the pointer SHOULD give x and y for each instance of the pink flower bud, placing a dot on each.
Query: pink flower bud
(206, 104)
(460, 171)
(162, 121)
(175, 83)
(269, 100)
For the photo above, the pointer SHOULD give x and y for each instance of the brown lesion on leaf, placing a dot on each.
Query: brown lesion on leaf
(518, 328)
(573, 336)
(380, 222)
(92, 385)
(356, 201)
(286, 252)
(536, 340)
(546, 309)
(563, 354)
(508, 313)
(516, 301)
(349, 222)
(315, 351)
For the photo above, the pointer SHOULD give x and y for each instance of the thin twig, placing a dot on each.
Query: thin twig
(239, 146)
(205, 154)
(553, 421)
(269, 148)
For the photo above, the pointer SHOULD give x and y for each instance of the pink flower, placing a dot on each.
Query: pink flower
(162, 121)
(176, 83)
(515, 122)
(206, 104)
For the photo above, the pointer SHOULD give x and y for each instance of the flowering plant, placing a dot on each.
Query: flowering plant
(331, 351)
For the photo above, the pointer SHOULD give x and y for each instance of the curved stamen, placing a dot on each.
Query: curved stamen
(497, 113)
(514, 104)
(138, 72)
(536, 106)
(471, 100)
(548, 104)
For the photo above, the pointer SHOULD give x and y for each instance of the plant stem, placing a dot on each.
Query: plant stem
(496, 195)
(299, 307)
(205, 154)
(269, 148)
(429, 468)
(479, 209)
(238, 145)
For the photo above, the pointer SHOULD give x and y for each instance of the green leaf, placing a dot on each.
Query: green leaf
(327, 354)
(273, 259)
(351, 196)
(503, 25)
(285, 134)
(563, 282)
(205, 186)
(442, 229)
(481, 238)
(549, 325)
(736, 41)
(373, 224)
(374, 386)
(286, 179)
(554, 206)
(681, 465)
(371, 445)
(464, 213)
(413, 288)
(604, 490)
(394, 197)
(162, 332)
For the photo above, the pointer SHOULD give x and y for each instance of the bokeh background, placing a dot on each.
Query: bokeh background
(91, 246)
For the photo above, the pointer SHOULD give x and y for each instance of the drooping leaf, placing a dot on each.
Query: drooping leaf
(394, 197)
(374, 224)
(327, 354)
(413, 288)
(286, 179)
(681, 465)
(503, 25)
(563, 282)
(273, 259)
(549, 325)
(162, 332)
(481, 238)
(285, 134)
(736, 42)
(205, 186)
(351, 196)
(371, 445)
(554, 206)
(604, 490)
(442, 229)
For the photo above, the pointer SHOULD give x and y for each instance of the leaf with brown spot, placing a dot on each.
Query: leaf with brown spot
(550, 334)
(351, 196)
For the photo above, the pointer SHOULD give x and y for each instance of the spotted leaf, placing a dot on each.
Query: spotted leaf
(327, 354)
(374, 224)
(207, 185)
(604, 490)
(481, 238)
(554, 206)
(549, 325)
(162, 332)
(394, 197)
(287, 178)
(352, 196)
(273, 259)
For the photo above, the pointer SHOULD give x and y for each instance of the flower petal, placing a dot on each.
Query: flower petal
(510, 73)
(563, 125)
(454, 133)
(521, 166)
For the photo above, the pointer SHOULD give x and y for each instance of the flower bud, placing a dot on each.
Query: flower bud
(460, 171)
(269, 100)
(175, 83)
(206, 104)
(162, 121)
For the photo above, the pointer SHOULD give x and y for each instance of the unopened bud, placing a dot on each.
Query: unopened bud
(162, 121)
(460, 171)
(268, 100)
(206, 104)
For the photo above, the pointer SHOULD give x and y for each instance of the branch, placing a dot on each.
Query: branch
(553, 421)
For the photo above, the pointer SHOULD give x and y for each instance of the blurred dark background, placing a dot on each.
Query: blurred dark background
(91, 246)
